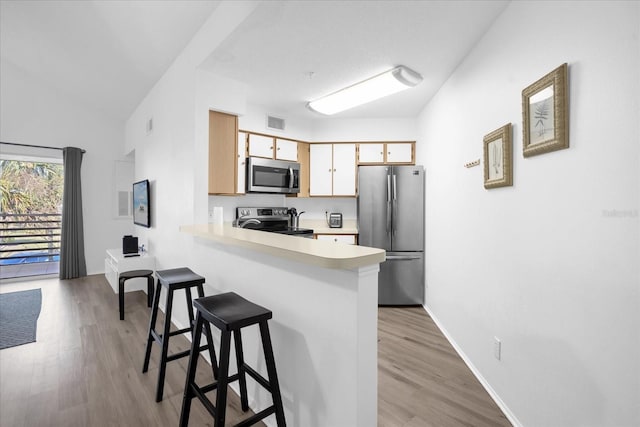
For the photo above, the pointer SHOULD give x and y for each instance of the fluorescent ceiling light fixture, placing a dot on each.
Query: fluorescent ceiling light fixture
(387, 83)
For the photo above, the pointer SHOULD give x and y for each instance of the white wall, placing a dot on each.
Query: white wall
(33, 112)
(550, 265)
(358, 130)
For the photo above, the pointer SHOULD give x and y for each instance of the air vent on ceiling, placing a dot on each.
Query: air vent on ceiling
(275, 123)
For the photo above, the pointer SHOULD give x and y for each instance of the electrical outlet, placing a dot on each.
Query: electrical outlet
(497, 348)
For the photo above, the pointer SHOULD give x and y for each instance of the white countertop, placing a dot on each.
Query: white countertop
(309, 251)
(319, 226)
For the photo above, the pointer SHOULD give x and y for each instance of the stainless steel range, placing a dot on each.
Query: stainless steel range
(274, 219)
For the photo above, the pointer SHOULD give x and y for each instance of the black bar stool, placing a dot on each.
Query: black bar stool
(229, 312)
(134, 274)
(174, 279)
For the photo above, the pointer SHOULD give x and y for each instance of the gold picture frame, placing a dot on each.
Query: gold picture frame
(498, 169)
(545, 114)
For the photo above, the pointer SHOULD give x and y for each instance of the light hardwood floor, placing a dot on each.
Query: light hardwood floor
(85, 368)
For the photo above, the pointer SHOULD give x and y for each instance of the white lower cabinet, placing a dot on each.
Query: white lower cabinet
(349, 239)
(115, 263)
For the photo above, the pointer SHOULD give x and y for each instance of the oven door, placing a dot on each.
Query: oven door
(272, 176)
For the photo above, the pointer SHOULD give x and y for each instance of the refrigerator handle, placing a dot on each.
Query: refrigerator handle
(388, 204)
(402, 257)
(395, 203)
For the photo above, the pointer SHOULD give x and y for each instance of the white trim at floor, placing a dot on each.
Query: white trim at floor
(505, 409)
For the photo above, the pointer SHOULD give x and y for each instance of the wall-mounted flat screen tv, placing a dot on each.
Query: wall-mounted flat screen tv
(141, 203)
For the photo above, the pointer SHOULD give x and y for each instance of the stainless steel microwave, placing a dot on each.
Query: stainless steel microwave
(272, 176)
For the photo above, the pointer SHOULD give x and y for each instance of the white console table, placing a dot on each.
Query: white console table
(115, 263)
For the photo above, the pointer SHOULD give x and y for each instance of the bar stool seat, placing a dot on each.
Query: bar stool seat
(134, 274)
(173, 280)
(230, 312)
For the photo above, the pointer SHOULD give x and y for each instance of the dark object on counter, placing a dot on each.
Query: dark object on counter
(229, 312)
(335, 220)
(129, 245)
(294, 218)
(174, 279)
(134, 274)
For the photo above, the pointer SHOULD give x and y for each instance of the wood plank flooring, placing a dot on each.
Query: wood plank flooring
(421, 379)
(85, 369)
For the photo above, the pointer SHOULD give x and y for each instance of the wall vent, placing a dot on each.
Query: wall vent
(275, 123)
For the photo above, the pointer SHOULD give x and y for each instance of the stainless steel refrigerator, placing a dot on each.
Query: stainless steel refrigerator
(391, 217)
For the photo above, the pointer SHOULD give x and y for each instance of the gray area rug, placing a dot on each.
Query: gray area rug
(19, 313)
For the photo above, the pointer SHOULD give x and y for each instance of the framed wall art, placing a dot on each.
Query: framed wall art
(498, 169)
(545, 115)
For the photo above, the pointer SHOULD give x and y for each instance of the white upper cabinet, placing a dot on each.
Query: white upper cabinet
(261, 146)
(242, 167)
(371, 153)
(344, 169)
(286, 150)
(332, 170)
(320, 169)
(400, 152)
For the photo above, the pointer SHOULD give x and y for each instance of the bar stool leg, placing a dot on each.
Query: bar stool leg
(223, 379)
(273, 376)
(149, 291)
(242, 379)
(207, 333)
(187, 294)
(191, 373)
(152, 326)
(121, 297)
(165, 346)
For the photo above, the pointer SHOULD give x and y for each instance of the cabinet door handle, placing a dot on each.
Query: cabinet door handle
(334, 170)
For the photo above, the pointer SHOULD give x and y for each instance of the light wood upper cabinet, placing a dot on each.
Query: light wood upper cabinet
(286, 150)
(332, 170)
(241, 170)
(381, 153)
(261, 146)
(303, 159)
(223, 147)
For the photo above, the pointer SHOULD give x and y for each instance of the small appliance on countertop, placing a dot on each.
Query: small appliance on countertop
(335, 220)
(130, 246)
(274, 220)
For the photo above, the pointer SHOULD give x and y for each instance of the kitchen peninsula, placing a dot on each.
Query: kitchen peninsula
(324, 328)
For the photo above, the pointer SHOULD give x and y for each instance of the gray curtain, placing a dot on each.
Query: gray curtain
(72, 262)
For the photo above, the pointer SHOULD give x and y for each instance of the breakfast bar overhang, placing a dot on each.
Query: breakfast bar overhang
(324, 298)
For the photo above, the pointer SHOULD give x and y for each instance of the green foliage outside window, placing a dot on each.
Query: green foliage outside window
(30, 187)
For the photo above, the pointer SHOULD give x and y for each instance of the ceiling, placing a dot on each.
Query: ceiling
(111, 53)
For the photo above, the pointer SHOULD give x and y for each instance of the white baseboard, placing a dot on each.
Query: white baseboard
(507, 412)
